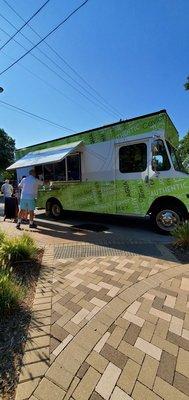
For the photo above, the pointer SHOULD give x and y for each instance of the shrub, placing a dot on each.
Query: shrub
(181, 235)
(2, 236)
(17, 249)
(11, 293)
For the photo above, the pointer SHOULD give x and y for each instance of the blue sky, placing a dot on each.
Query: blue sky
(133, 52)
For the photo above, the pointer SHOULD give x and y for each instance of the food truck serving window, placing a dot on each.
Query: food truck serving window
(60, 171)
(73, 167)
(69, 169)
(49, 172)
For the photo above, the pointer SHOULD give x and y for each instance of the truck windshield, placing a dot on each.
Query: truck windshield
(177, 163)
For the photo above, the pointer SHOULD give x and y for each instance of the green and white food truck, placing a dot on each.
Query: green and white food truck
(126, 168)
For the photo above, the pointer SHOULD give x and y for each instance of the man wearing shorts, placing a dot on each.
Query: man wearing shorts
(29, 187)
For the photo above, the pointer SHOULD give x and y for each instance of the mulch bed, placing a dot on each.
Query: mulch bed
(14, 329)
(182, 255)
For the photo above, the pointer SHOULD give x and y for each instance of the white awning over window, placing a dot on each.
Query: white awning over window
(46, 156)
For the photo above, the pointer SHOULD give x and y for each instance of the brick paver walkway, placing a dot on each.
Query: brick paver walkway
(114, 327)
(106, 325)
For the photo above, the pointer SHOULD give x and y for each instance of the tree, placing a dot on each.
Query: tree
(11, 175)
(7, 149)
(186, 85)
(183, 150)
(184, 147)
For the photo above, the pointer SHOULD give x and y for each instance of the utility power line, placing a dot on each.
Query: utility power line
(65, 62)
(32, 115)
(45, 37)
(33, 15)
(49, 84)
(103, 106)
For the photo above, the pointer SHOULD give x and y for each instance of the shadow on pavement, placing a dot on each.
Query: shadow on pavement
(114, 241)
(120, 234)
(129, 222)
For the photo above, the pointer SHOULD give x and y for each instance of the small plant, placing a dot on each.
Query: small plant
(181, 235)
(17, 249)
(2, 236)
(11, 293)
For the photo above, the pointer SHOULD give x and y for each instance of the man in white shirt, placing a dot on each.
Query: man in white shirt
(7, 189)
(29, 187)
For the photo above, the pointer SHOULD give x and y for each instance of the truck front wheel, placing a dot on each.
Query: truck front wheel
(166, 219)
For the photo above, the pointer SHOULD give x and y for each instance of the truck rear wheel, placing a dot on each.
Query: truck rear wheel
(54, 209)
(166, 219)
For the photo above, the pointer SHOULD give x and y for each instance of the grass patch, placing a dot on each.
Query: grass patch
(181, 236)
(11, 293)
(18, 249)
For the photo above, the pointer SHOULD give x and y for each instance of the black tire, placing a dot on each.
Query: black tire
(54, 209)
(166, 218)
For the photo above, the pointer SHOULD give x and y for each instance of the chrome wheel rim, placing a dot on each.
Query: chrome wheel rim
(167, 220)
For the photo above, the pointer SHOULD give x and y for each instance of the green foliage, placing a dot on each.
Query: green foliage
(186, 85)
(2, 237)
(17, 249)
(11, 175)
(13, 250)
(183, 149)
(11, 293)
(7, 149)
(181, 235)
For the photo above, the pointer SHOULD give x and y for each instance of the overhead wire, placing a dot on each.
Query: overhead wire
(33, 15)
(64, 61)
(41, 51)
(103, 107)
(49, 84)
(45, 37)
(32, 115)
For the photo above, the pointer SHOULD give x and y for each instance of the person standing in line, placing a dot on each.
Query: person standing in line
(29, 187)
(7, 190)
(25, 215)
